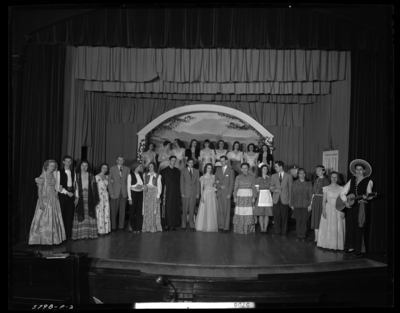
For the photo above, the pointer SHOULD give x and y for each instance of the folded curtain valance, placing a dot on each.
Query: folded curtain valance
(301, 99)
(208, 65)
(157, 86)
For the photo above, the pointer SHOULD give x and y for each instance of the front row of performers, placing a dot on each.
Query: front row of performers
(78, 205)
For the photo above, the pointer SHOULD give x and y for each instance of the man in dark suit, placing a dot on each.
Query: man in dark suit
(281, 187)
(117, 187)
(190, 191)
(66, 178)
(225, 179)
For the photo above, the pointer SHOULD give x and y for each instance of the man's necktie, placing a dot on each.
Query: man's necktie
(280, 178)
(190, 172)
(120, 171)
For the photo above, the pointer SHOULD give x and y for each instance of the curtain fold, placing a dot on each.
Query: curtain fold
(160, 86)
(262, 98)
(255, 27)
(369, 133)
(42, 121)
(208, 65)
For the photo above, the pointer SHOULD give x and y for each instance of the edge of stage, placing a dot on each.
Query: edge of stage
(208, 255)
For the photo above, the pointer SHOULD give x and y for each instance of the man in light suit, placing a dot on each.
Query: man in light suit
(281, 187)
(117, 187)
(190, 191)
(225, 179)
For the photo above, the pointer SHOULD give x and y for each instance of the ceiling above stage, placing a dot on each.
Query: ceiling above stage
(26, 19)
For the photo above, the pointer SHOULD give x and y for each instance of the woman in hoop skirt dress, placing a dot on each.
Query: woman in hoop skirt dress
(47, 226)
(206, 219)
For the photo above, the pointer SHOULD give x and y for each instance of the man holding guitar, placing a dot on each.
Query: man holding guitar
(358, 187)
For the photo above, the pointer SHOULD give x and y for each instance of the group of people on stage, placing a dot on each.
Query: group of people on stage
(162, 196)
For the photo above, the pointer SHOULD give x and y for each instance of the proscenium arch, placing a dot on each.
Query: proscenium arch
(202, 108)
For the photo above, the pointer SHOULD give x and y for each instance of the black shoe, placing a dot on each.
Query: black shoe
(357, 255)
(225, 231)
(183, 228)
(192, 229)
(220, 230)
(349, 252)
(172, 229)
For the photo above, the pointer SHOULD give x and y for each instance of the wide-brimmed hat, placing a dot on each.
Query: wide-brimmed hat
(368, 167)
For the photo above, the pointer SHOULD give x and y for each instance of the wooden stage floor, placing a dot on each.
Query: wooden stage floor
(213, 255)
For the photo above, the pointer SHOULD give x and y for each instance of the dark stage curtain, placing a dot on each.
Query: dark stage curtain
(259, 28)
(369, 139)
(41, 123)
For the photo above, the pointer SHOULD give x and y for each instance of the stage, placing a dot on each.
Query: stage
(213, 255)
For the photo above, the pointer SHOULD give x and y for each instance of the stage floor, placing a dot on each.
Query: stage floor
(209, 254)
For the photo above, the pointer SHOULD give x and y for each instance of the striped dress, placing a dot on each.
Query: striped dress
(88, 227)
(244, 192)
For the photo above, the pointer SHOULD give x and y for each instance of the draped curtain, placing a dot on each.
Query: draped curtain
(370, 130)
(41, 126)
(301, 132)
(244, 27)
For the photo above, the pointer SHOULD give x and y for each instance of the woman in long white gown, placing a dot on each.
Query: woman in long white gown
(331, 233)
(206, 219)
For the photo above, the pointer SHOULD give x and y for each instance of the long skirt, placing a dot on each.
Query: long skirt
(244, 221)
(151, 211)
(88, 227)
(316, 211)
(47, 226)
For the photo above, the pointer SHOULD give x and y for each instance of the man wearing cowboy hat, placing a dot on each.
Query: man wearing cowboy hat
(359, 185)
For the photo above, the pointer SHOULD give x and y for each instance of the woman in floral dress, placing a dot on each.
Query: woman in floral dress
(151, 200)
(244, 194)
(47, 226)
(103, 208)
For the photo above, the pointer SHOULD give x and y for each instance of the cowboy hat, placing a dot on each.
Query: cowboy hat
(368, 167)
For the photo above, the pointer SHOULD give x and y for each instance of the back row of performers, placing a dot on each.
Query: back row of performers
(207, 155)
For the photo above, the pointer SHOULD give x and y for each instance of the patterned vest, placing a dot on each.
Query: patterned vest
(147, 179)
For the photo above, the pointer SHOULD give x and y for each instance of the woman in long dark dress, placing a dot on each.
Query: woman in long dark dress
(316, 200)
(86, 199)
(193, 152)
(47, 226)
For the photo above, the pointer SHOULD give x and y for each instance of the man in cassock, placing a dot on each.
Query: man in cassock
(171, 195)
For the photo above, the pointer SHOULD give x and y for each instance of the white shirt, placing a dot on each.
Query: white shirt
(139, 182)
(346, 188)
(159, 186)
(69, 181)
